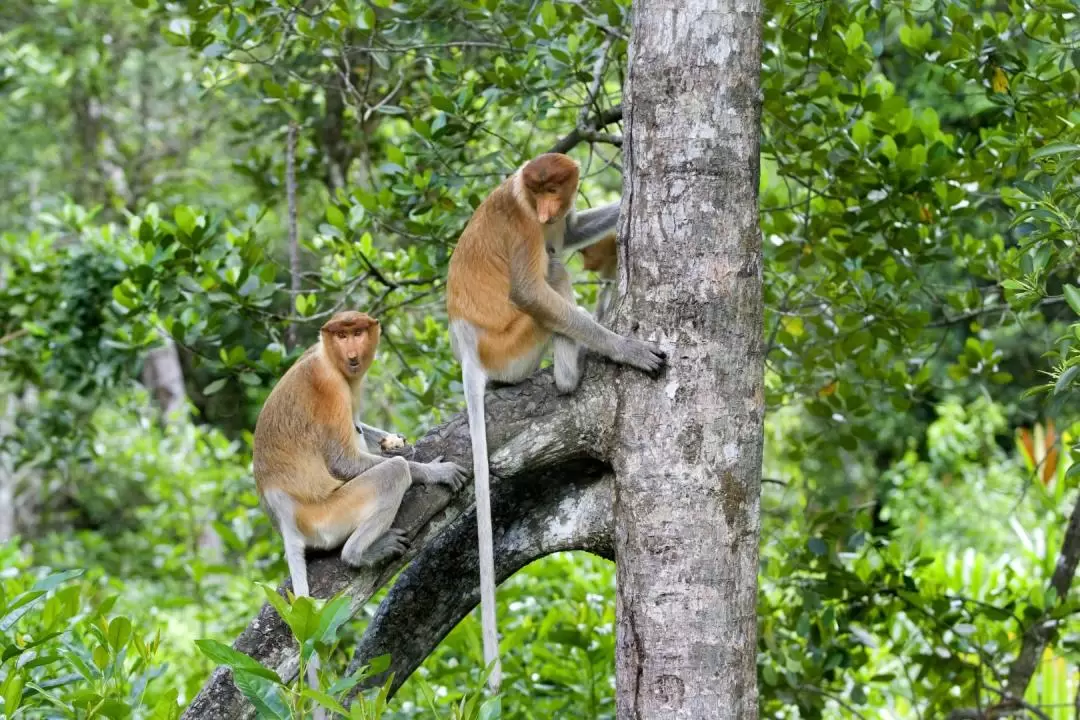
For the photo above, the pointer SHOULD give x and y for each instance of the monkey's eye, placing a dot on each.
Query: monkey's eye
(341, 335)
(358, 333)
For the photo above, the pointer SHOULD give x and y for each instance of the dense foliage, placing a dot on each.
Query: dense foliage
(920, 216)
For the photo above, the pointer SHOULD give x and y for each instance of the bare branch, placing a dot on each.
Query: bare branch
(294, 246)
(1043, 630)
(1036, 637)
(581, 134)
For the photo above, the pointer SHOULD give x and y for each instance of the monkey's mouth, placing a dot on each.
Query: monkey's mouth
(354, 365)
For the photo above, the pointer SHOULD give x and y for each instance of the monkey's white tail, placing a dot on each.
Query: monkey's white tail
(474, 380)
(294, 556)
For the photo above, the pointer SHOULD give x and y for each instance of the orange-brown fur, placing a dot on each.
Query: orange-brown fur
(312, 405)
(505, 224)
(602, 257)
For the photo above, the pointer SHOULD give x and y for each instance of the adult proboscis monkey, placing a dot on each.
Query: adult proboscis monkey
(313, 472)
(509, 297)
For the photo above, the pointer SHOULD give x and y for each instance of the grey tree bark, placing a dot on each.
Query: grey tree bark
(687, 451)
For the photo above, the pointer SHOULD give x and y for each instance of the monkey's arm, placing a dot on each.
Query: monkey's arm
(344, 456)
(530, 290)
(585, 228)
(432, 473)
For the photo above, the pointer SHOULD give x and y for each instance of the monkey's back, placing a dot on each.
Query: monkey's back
(478, 281)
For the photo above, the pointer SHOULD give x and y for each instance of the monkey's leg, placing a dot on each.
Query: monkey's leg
(373, 540)
(567, 351)
(359, 512)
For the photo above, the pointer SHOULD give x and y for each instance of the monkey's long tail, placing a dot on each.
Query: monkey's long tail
(294, 556)
(474, 380)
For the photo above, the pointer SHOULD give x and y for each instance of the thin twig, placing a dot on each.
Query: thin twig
(598, 76)
(294, 245)
(13, 335)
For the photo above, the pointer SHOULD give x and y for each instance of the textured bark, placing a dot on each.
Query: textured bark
(533, 434)
(688, 449)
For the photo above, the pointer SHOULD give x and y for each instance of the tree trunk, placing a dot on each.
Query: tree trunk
(163, 376)
(687, 450)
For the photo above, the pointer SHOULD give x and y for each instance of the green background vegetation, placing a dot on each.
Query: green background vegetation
(919, 209)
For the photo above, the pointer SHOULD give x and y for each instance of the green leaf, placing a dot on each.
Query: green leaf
(335, 217)
(366, 19)
(491, 709)
(222, 654)
(274, 90)
(119, 632)
(548, 14)
(185, 219)
(215, 386)
(1054, 149)
(265, 697)
(325, 700)
(13, 688)
(853, 38)
(1066, 379)
(54, 580)
(18, 607)
(335, 614)
(1072, 296)
(860, 133)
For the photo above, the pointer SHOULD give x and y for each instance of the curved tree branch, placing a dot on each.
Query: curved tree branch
(532, 433)
(530, 520)
(589, 130)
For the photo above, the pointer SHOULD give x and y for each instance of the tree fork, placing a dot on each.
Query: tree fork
(572, 511)
(535, 435)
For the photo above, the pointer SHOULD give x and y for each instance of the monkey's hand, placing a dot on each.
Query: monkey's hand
(441, 473)
(391, 442)
(647, 357)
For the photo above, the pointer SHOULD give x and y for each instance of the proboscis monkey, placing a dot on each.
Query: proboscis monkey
(602, 257)
(313, 473)
(509, 297)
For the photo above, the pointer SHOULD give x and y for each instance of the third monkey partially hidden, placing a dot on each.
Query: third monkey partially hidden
(509, 298)
(602, 257)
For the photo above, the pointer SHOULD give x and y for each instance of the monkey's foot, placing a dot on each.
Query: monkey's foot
(446, 473)
(391, 545)
(392, 442)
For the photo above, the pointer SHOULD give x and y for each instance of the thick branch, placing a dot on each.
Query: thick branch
(531, 432)
(531, 519)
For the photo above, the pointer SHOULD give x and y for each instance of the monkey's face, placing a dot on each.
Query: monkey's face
(351, 339)
(552, 180)
(551, 206)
